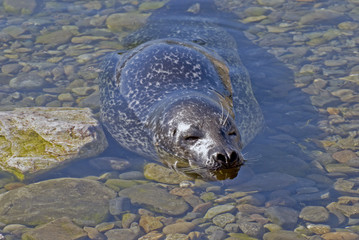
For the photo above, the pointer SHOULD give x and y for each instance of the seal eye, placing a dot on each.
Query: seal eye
(191, 138)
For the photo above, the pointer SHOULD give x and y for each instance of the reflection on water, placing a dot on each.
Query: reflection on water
(301, 173)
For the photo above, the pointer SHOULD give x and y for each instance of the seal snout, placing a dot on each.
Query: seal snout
(223, 159)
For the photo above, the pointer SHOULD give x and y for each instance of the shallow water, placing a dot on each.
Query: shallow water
(303, 60)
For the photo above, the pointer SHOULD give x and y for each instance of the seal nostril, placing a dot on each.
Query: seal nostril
(220, 157)
(233, 157)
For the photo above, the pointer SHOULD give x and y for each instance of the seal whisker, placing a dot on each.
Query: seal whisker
(226, 119)
(222, 114)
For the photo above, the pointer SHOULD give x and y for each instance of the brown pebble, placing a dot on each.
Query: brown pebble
(202, 208)
(179, 227)
(344, 156)
(149, 223)
(333, 111)
(182, 191)
(152, 236)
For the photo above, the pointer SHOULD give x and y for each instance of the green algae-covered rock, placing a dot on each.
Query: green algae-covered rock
(55, 38)
(86, 202)
(62, 228)
(38, 139)
(155, 198)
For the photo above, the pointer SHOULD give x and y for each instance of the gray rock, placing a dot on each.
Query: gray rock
(155, 198)
(132, 175)
(119, 205)
(62, 228)
(223, 219)
(283, 216)
(27, 81)
(316, 214)
(39, 139)
(83, 201)
(121, 234)
(252, 229)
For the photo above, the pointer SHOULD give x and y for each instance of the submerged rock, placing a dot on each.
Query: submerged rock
(62, 228)
(38, 139)
(20, 6)
(155, 198)
(86, 202)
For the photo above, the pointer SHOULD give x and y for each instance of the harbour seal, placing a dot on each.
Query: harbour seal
(181, 96)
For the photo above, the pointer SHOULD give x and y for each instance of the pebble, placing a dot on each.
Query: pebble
(344, 156)
(283, 216)
(214, 211)
(252, 229)
(223, 219)
(319, 228)
(62, 228)
(150, 223)
(316, 214)
(119, 205)
(285, 235)
(179, 227)
(27, 81)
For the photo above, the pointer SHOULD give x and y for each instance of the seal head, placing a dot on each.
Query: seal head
(197, 136)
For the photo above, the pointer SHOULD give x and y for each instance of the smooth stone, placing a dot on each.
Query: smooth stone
(348, 25)
(65, 97)
(118, 184)
(155, 198)
(119, 205)
(283, 216)
(15, 229)
(126, 21)
(152, 236)
(316, 214)
(340, 235)
(122, 234)
(319, 16)
(150, 223)
(176, 236)
(105, 226)
(283, 235)
(10, 68)
(94, 234)
(20, 6)
(344, 156)
(27, 81)
(268, 182)
(62, 228)
(42, 202)
(179, 227)
(214, 211)
(222, 220)
(156, 172)
(39, 139)
(55, 38)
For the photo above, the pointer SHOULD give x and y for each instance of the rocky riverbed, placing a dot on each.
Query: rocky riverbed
(300, 180)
